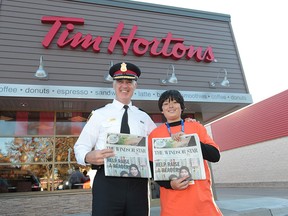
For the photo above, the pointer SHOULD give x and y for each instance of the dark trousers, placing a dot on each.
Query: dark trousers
(116, 196)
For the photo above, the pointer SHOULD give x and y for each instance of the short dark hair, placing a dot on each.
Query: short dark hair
(171, 95)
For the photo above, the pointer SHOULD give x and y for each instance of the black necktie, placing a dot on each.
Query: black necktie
(124, 124)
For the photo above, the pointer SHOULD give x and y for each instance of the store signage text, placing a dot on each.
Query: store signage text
(167, 47)
(44, 91)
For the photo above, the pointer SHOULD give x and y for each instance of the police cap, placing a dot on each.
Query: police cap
(124, 70)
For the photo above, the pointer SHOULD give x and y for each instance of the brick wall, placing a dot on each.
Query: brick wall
(45, 203)
(58, 203)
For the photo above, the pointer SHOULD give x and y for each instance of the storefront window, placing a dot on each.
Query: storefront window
(26, 123)
(72, 176)
(34, 158)
(7, 123)
(70, 123)
(19, 150)
(20, 178)
(64, 151)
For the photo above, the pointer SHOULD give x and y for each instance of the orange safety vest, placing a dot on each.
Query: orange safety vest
(197, 199)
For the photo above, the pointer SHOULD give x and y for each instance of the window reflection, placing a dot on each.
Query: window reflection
(26, 123)
(70, 123)
(19, 179)
(26, 149)
(32, 158)
(7, 123)
(73, 176)
(64, 149)
(4, 157)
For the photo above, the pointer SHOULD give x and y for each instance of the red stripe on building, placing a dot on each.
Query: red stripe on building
(257, 123)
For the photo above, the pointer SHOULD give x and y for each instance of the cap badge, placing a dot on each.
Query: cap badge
(123, 67)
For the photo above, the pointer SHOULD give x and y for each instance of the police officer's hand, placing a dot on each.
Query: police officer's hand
(180, 184)
(177, 136)
(97, 156)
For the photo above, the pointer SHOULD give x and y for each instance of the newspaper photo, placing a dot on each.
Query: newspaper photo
(131, 156)
(174, 159)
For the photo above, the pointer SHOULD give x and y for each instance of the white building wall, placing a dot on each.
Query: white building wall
(263, 163)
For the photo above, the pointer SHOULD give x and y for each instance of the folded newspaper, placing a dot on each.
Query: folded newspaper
(174, 159)
(131, 156)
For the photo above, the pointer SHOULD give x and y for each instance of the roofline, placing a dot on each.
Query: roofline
(161, 9)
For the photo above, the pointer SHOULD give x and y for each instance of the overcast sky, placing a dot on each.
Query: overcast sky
(260, 29)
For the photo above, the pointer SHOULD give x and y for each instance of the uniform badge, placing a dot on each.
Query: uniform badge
(111, 119)
(123, 67)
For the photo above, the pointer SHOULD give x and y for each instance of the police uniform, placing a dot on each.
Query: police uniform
(113, 196)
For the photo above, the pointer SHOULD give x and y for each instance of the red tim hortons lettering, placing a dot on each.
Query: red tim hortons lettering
(75, 40)
(208, 55)
(165, 47)
(125, 42)
(171, 47)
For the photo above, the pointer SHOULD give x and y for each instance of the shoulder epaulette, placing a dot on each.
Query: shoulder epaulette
(142, 110)
(89, 116)
(92, 113)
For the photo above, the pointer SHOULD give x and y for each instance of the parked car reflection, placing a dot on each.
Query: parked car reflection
(77, 180)
(17, 180)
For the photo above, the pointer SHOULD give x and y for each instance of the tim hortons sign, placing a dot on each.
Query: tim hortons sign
(167, 47)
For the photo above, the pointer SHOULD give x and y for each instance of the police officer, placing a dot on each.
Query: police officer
(115, 196)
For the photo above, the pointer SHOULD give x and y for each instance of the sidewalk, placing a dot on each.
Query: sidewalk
(253, 201)
(263, 206)
(266, 206)
(243, 202)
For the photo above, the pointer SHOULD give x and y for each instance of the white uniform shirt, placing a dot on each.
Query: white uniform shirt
(108, 120)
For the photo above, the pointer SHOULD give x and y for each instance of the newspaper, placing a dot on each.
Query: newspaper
(170, 157)
(131, 151)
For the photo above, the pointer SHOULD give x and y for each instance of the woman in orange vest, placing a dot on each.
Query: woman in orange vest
(179, 196)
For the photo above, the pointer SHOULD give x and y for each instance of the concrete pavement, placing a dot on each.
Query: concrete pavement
(243, 202)
(253, 201)
(263, 206)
